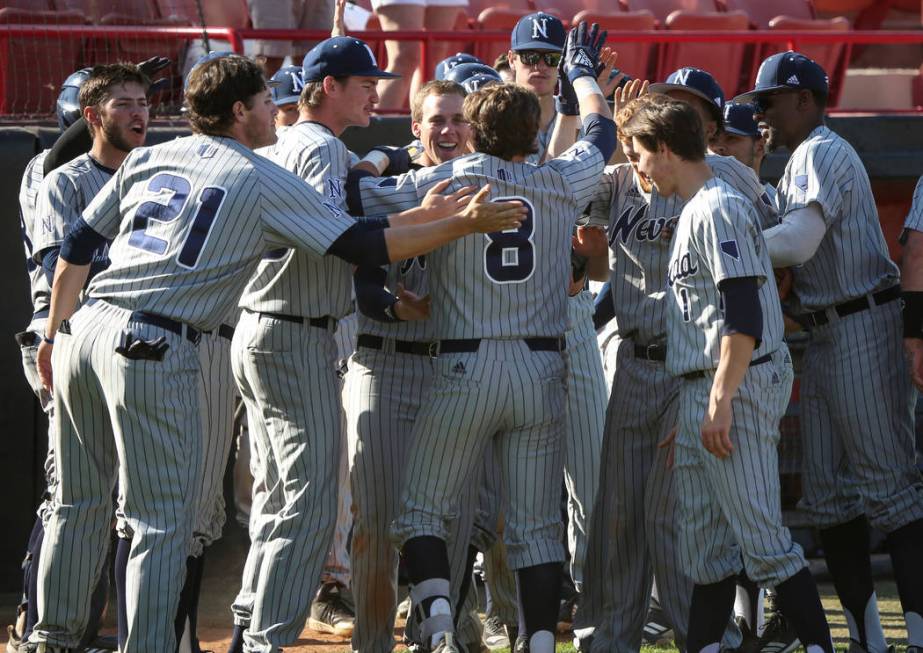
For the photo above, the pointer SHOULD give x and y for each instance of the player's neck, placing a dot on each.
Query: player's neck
(802, 135)
(106, 154)
(692, 176)
(546, 103)
(324, 115)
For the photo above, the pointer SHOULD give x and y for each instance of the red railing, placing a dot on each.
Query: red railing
(236, 37)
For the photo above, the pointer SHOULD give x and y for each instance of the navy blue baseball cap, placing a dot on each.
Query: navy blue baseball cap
(479, 81)
(463, 72)
(539, 31)
(696, 81)
(290, 84)
(739, 120)
(787, 70)
(341, 56)
(456, 59)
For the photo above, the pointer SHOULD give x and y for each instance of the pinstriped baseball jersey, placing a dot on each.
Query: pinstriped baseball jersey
(411, 273)
(505, 284)
(293, 282)
(639, 252)
(852, 259)
(914, 219)
(63, 196)
(716, 238)
(199, 213)
(28, 196)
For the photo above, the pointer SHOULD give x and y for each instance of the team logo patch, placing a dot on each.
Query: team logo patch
(387, 181)
(334, 188)
(792, 80)
(729, 247)
(801, 181)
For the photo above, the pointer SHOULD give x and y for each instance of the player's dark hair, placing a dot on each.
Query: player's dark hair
(674, 124)
(313, 93)
(627, 112)
(502, 62)
(213, 88)
(434, 87)
(103, 79)
(504, 120)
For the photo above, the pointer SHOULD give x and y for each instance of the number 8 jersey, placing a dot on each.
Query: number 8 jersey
(509, 284)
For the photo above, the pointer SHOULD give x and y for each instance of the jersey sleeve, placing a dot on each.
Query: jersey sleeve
(324, 167)
(601, 202)
(295, 215)
(915, 217)
(818, 172)
(729, 238)
(385, 195)
(55, 212)
(743, 179)
(580, 166)
(103, 213)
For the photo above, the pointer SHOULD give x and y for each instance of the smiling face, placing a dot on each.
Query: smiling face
(539, 77)
(743, 148)
(442, 127)
(121, 119)
(656, 166)
(356, 98)
(633, 157)
(778, 116)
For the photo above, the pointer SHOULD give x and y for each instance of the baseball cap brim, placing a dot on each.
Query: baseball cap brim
(663, 87)
(288, 99)
(538, 45)
(747, 98)
(739, 132)
(370, 72)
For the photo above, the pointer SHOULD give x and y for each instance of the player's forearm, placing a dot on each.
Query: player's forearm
(416, 215)
(414, 240)
(69, 279)
(597, 268)
(591, 98)
(736, 351)
(566, 129)
(796, 239)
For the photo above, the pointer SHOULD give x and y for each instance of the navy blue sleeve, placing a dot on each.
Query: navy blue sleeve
(374, 223)
(361, 246)
(50, 262)
(353, 196)
(604, 307)
(742, 311)
(371, 297)
(80, 244)
(600, 132)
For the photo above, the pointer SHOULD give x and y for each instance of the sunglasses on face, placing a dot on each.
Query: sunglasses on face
(532, 57)
(765, 101)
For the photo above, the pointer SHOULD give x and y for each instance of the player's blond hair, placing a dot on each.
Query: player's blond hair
(504, 120)
(677, 125)
(434, 87)
(627, 112)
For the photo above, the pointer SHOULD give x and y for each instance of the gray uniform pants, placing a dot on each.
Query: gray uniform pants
(286, 376)
(138, 419)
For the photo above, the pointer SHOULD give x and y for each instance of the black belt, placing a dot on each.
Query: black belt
(179, 328)
(226, 331)
(470, 345)
(325, 322)
(819, 318)
(700, 374)
(400, 346)
(656, 352)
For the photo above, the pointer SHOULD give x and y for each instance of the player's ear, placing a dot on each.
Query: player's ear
(415, 128)
(330, 85)
(238, 110)
(91, 115)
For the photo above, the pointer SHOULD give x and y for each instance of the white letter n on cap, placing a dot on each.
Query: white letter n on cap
(539, 27)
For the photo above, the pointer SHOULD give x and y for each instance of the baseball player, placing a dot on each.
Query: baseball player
(698, 88)
(449, 63)
(125, 367)
(856, 395)
(285, 95)
(911, 284)
(498, 341)
(724, 341)
(741, 138)
(473, 76)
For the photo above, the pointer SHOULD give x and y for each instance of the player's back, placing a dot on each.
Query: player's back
(191, 219)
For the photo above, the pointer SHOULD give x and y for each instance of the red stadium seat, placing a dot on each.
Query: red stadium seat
(565, 9)
(723, 60)
(31, 5)
(832, 57)
(663, 8)
(476, 7)
(761, 12)
(634, 58)
(496, 19)
(48, 61)
(842, 6)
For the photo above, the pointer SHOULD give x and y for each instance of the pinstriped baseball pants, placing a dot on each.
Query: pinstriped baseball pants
(286, 376)
(47, 403)
(140, 419)
(730, 509)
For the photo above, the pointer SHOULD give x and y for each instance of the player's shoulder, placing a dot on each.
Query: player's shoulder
(721, 196)
(728, 168)
(918, 191)
(308, 133)
(824, 144)
(33, 174)
(68, 173)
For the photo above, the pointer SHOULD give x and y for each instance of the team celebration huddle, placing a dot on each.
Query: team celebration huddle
(429, 382)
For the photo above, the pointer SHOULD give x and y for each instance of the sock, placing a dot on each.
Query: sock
(237, 640)
(798, 600)
(539, 589)
(30, 577)
(905, 545)
(123, 548)
(748, 602)
(708, 614)
(466, 581)
(194, 602)
(846, 549)
(428, 571)
(185, 599)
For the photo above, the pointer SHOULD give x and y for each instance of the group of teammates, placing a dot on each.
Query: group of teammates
(498, 388)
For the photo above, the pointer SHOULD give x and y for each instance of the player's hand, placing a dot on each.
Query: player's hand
(154, 65)
(668, 444)
(43, 361)
(590, 242)
(625, 94)
(716, 429)
(605, 79)
(440, 206)
(784, 280)
(485, 217)
(339, 25)
(410, 306)
(913, 348)
(582, 50)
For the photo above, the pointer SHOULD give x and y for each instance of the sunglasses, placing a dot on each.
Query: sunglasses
(532, 57)
(764, 101)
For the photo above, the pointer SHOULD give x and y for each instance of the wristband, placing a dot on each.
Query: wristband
(586, 86)
(378, 159)
(912, 312)
(45, 338)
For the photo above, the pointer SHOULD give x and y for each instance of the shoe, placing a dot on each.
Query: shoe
(583, 644)
(447, 645)
(330, 613)
(566, 613)
(522, 644)
(657, 630)
(778, 635)
(403, 608)
(13, 640)
(495, 636)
